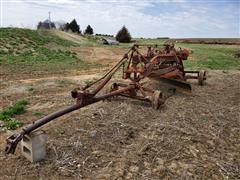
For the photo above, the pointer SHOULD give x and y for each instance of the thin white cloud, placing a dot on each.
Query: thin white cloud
(109, 16)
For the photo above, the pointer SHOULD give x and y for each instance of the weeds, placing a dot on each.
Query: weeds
(7, 114)
(12, 123)
(41, 49)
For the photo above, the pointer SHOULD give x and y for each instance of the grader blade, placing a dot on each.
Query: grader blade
(178, 83)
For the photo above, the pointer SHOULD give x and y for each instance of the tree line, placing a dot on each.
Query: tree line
(122, 35)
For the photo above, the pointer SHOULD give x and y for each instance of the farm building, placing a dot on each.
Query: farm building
(109, 41)
(47, 24)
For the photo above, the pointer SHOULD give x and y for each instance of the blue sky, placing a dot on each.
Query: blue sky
(171, 18)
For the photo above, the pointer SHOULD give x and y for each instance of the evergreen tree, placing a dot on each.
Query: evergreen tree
(123, 35)
(88, 30)
(74, 26)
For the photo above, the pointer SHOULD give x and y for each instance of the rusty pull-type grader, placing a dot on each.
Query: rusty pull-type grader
(159, 63)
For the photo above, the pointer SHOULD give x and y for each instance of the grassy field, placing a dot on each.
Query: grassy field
(226, 41)
(31, 50)
(219, 57)
(206, 56)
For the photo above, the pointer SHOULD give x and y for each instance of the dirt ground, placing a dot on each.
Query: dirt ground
(100, 55)
(192, 136)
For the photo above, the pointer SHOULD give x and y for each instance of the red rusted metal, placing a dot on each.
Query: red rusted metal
(166, 62)
(84, 97)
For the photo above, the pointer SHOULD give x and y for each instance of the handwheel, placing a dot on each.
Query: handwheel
(156, 99)
(201, 77)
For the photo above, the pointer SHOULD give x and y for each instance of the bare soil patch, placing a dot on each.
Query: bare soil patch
(100, 55)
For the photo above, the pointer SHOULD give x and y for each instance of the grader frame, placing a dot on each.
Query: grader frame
(165, 64)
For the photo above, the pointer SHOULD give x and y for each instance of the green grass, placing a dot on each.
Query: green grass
(218, 57)
(32, 51)
(7, 114)
(32, 37)
(38, 50)
(206, 56)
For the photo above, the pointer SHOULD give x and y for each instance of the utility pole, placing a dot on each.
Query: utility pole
(49, 18)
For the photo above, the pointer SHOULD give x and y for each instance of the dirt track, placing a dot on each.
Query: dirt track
(193, 135)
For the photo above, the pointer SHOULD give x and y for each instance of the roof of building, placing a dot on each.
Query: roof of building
(110, 41)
